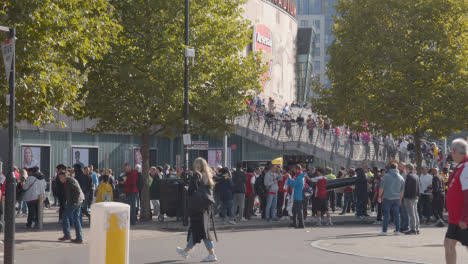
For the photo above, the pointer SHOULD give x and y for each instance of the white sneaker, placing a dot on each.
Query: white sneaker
(210, 258)
(377, 223)
(232, 222)
(396, 233)
(382, 233)
(182, 252)
(243, 219)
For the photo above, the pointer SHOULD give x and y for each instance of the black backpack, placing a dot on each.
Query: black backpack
(260, 185)
(139, 182)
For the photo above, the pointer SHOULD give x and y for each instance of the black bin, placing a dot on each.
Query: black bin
(170, 198)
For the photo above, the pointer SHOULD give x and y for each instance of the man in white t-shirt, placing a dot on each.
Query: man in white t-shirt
(403, 150)
(425, 183)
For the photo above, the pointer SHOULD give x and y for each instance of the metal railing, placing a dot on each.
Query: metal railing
(326, 140)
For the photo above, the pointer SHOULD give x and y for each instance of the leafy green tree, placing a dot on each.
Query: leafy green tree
(55, 41)
(401, 65)
(137, 88)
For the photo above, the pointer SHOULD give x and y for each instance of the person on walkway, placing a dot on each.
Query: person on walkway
(85, 182)
(404, 217)
(298, 185)
(271, 185)
(331, 195)
(390, 194)
(457, 201)
(249, 193)
(438, 197)
(33, 187)
(105, 191)
(361, 194)
(224, 186)
(411, 197)
(378, 205)
(321, 196)
(156, 175)
(131, 191)
(348, 195)
(425, 185)
(22, 206)
(74, 197)
(199, 222)
(239, 178)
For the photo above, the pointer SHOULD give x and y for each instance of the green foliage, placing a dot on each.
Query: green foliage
(399, 64)
(55, 41)
(138, 86)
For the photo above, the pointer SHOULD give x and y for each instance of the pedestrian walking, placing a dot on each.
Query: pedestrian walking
(74, 197)
(457, 202)
(199, 228)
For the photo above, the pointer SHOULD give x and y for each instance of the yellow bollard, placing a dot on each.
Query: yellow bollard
(110, 233)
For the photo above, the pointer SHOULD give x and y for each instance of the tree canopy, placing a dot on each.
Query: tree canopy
(137, 87)
(399, 64)
(55, 41)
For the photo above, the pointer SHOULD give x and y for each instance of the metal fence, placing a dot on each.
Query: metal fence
(326, 140)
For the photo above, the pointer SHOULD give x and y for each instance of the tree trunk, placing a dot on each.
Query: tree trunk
(418, 151)
(145, 213)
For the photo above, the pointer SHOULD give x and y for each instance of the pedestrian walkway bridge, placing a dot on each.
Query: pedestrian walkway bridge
(324, 145)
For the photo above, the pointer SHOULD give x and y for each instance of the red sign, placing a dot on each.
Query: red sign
(263, 41)
(233, 146)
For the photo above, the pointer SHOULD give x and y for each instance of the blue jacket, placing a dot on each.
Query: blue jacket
(298, 185)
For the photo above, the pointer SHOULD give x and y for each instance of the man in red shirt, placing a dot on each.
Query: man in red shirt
(131, 191)
(457, 201)
(321, 195)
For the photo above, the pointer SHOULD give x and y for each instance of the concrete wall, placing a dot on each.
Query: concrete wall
(283, 26)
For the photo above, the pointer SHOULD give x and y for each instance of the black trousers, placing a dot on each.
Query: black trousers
(297, 213)
(438, 206)
(331, 197)
(279, 209)
(262, 200)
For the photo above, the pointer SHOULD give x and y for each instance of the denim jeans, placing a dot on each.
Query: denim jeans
(426, 207)
(132, 199)
(22, 206)
(225, 206)
(393, 205)
(208, 243)
(32, 213)
(348, 201)
(404, 216)
(72, 211)
(271, 206)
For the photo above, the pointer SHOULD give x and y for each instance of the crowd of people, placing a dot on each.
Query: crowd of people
(321, 131)
(395, 194)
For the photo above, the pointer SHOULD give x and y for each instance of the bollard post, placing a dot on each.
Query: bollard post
(110, 233)
(40, 212)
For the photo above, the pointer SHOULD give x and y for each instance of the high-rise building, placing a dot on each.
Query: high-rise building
(317, 14)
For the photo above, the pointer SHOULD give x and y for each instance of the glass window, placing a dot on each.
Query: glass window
(303, 23)
(317, 24)
(317, 38)
(317, 52)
